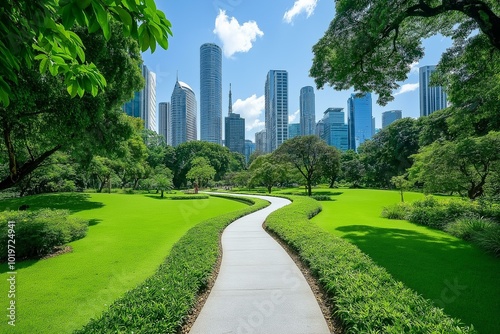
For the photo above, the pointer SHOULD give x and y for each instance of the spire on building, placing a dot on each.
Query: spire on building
(230, 101)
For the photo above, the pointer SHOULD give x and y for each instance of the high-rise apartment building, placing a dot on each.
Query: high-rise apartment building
(390, 116)
(260, 141)
(307, 111)
(432, 98)
(234, 130)
(249, 149)
(165, 122)
(183, 114)
(294, 130)
(143, 105)
(276, 104)
(211, 93)
(335, 132)
(360, 121)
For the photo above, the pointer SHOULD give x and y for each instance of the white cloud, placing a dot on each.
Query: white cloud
(235, 37)
(293, 116)
(300, 6)
(414, 67)
(408, 88)
(252, 109)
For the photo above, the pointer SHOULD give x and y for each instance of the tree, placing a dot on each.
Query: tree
(330, 165)
(102, 169)
(266, 171)
(305, 154)
(39, 33)
(351, 168)
(162, 179)
(401, 183)
(465, 166)
(42, 118)
(371, 44)
(201, 172)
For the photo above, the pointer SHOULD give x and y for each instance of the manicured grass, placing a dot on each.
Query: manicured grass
(129, 236)
(454, 274)
(366, 298)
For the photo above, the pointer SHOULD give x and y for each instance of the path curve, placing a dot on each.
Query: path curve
(259, 288)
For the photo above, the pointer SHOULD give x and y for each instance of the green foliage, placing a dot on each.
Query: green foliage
(185, 197)
(162, 302)
(467, 228)
(351, 168)
(366, 297)
(396, 211)
(321, 197)
(201, 172)
(37, 233)
(39, 34)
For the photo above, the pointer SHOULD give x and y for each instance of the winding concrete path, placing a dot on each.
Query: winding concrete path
(259, 288)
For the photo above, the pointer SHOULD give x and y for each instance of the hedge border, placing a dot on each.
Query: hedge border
(366, 298)
(162, 303)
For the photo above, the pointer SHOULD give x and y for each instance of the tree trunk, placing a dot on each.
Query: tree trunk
(162, 194)
(309, 188)
(269, 189)
(332, 182)
(402, 198)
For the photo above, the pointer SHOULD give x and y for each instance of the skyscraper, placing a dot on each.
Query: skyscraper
(211, 93)
(183, 114)
(143, 105)
(335, 131)
(390, 116)
(234, 130)
(432, 98)
(260, 141)
(165, 122)
(360, 120)
(249, 149)
(307, 111)
(294, 130)
(276, 104)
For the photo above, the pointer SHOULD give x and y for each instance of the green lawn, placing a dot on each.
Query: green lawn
(454, 274)
(128, 238)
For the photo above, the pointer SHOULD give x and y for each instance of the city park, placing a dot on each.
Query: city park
(109, 236)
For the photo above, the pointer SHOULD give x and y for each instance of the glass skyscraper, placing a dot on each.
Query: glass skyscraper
(183, 114)
(143, 105)
(432, 98)
(276, 109)
(390, 116)
(359, 119)
(307, 111)
(260, 141)
(165, 122)
(335, 132)
(234, 130)
(294, 130)
(211, 93)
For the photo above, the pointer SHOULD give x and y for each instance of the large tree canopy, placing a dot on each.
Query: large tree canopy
(39, 33)
(371, 44)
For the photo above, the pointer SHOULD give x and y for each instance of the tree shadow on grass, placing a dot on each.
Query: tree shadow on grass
(74, 202)
(454, 274)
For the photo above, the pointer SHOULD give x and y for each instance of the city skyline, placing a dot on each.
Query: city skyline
(183, 114)
(432, 98)
(254, 41)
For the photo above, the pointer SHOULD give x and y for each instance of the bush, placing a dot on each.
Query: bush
(367, 298)
(396, 211)
(489, 239)
(162, 302)
(194, 196)
(321, 197)
(467, 228)
(37, 233)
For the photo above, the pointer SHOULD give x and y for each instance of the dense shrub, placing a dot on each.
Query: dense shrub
(183, 197)
(396, 211)
(367, 298)
(321, 197)
(162, 302)
(480, 231)
(489, 239)
(38, 232)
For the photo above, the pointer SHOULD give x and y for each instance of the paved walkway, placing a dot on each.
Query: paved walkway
(259, 288)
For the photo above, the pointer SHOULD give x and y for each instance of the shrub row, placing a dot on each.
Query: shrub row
(476, 222)
(162, 302)
(367, 298)
(37, 233)
(183, 197)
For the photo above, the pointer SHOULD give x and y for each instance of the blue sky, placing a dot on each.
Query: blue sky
(257, 36)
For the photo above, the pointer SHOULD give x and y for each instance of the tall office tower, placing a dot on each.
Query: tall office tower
(183, 114)
(307, 111)
(335, 130)
(143, 105)
(390, 116)
(320, 129)
(260, 141)
(165, 122)
(276, 104)
(234, 130)
(211, 93)
(432, 98)
(294, 130)
(359, 119)
(249, 149)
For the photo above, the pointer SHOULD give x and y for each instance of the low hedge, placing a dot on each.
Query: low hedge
(37, 233)
(367, 298)
(185, 197)
(163, 301)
